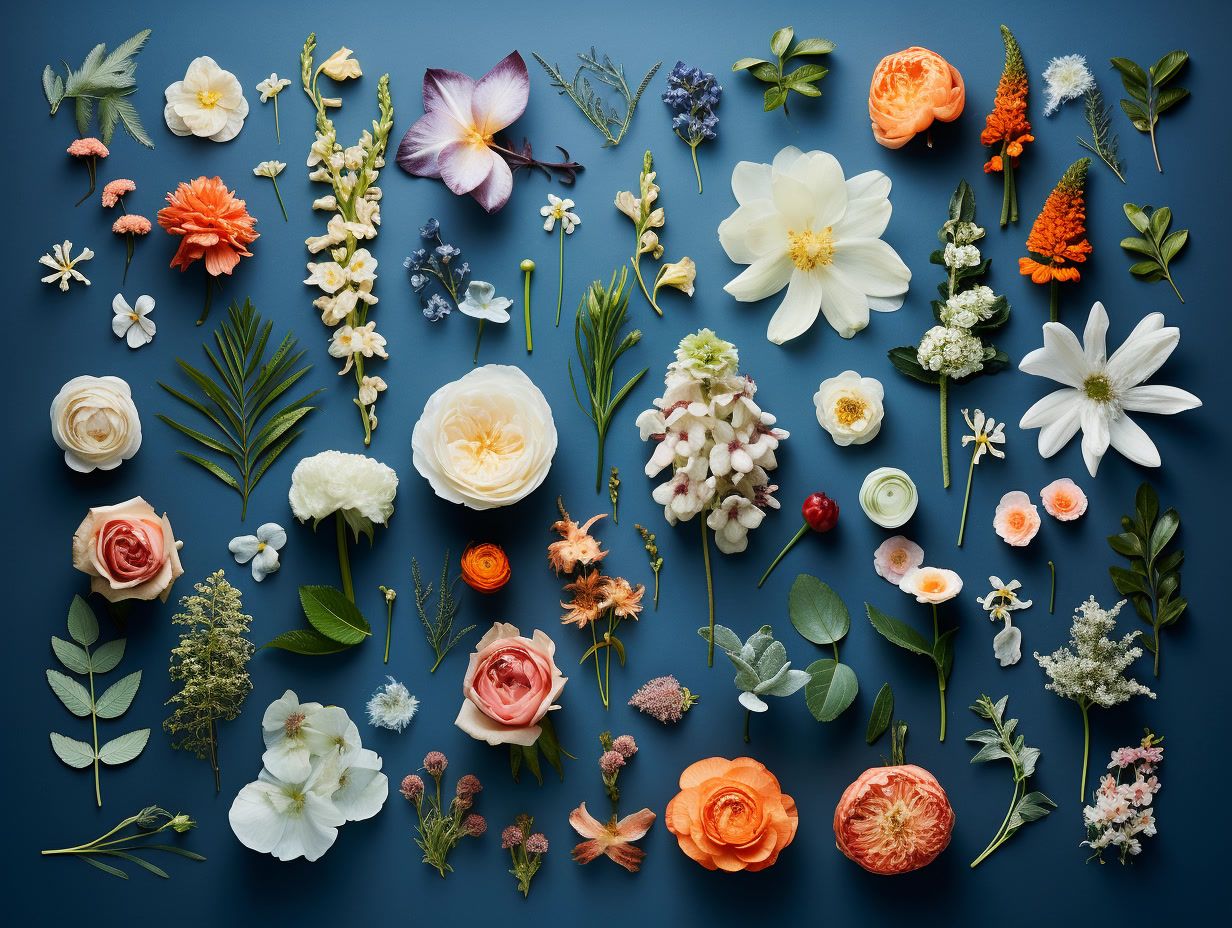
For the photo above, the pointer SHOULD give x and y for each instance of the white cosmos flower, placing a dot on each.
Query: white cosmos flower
(262, 549)
(289, 819)
(1099, 389)
(132, 323)
(800, 225)
(288, 748)
(481, 302)
(64, 265)
(208, 103)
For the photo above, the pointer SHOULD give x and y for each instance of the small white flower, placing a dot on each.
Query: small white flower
(392, 706)
(348, 341)
(960, 256)
(330, 276)
(1066, 78)
(64, 265)
(481, 302)
(270, 169)
(262, 549)
(559, 209)
(271, 87)
(289, 818)
(132, 323)
(951, 351)
(849, 407)
(369, 387)
(986, 432)
(362, 268)
(732, 521)
(288, 748)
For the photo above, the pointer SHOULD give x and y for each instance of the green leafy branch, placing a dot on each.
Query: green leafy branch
(439, 628)
(1151, 98)
(762, 667)
(611, 120)
(1158, 246)
(116, 843)
(940, 651)
(1103, 142)
(819, 615)
(803, 80)
(103, 83)
(335, 624)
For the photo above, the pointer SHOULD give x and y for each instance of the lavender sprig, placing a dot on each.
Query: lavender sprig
(693, 95)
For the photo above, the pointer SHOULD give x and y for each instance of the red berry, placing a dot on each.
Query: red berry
(820, 512)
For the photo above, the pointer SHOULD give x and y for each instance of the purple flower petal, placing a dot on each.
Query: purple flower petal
(421, 146)
(465, 165)
(494, 192)
(450, 91)
(500, 96)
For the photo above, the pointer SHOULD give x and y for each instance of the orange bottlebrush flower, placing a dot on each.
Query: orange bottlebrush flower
(588, 594)
(213, 224)
(485, 567)
(615, 839)
(1058, 240)
(893, 819)
(1007, 126)
(577, 546)
(909, 90)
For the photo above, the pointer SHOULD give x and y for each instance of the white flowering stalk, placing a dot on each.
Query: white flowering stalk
(347, 279)
(999, 604)
(719, 445)
(1091, 672)
(953, 350)
(986, 434)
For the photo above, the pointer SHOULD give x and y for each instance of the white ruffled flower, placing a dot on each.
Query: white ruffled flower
(392, 706)
(289, 818)
(849, 408)
(133, 323)
(1066, 78)
(968, 308)
(960, 256)
(481, 302)
(208, 103)
(261, 549)
(64, 265)
(334, 481)
(951, 351)
(559, 209)
(95, 423)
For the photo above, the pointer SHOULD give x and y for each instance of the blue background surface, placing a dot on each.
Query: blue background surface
(373, 872)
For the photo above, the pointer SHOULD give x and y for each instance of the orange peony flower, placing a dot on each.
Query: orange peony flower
(1058, 240)
(909, 90)
(731, 814)
(212, 223)
(1007, 126)
(893, 819)
(485, 567)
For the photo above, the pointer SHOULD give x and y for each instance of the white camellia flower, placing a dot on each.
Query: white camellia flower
(262, 549)
(800, 225)
(133, 323)
(289, 819)
(208, 103)
(486, 439)
(850, 408)
(95, 423)
(1099, 390)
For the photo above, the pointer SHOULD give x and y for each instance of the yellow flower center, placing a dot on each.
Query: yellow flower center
(132, 316)
(208, 98)
(1098, 387)
(809, 249)
(849, 410)
(260, 546)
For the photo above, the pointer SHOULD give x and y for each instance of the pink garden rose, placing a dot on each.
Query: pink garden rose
(511, 683)
(895, 556)
(1016, 520)
(128, 551)
(1064, 500)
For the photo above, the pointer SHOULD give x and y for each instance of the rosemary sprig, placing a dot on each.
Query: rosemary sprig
(439, 630)
(1103, 142)
(608, 118)
(146, 825)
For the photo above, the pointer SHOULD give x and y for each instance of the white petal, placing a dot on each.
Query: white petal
(1165, 401)
(254, 819)
(794, 200)
(799, 308)
(869, 185)
(264, 564)
(734, 232)
(1061, 359)
(145, 305)
(1128, 438)
(786, 158)
(120, 324)
(764, 277)
(865, 218)
(119, 305)
(272, 534)
(824, 177)
(1094, 338)
(244, 547)
(1141, 356)
(752, 702)
(845, 307)
(750, 182)
(871, 266)
(1095, 436)
(137, 336)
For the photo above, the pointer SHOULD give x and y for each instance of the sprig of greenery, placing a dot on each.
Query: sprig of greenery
(1153, 580)
(1103, 142)
(1000, 742)
(211, 665)
(940, 651)
(104, 81)
(439, 629)
(1151, 98)
(601, 316)
(1158, 247)
(819, 615)
(608, 118)
(335, 623)
(146, 825)
(82, 702)
(652, 551)
(762, 667)
(803, 80)
(237, 403)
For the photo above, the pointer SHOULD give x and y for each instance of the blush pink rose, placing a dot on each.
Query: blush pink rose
(511, 683)
(1063, 499)
(1016, 520)
(895, 556)
(128, 551)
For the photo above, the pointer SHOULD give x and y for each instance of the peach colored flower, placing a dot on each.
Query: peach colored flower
(1016, 520)
(88, 148)
(931, 584)
(485, 567)
(731, 814)
(1064, 500)
(895, 556)
(116, 189)
(576, 545)
(588, 591)
(909, 90)
(614, 840)
(893, 820)
(131, 224)
(511, 683)
(128, 551)
(213, 224)
(621, 598)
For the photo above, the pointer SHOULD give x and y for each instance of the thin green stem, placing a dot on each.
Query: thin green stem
(277, 124)
(709, 591)
(1086, 750)
(344, 558)
(607, 662)
(945, 431)
(962, 526)
(1172, 284)
(940, 671)
(129, 241)
(209, 298)
(560, 274)
(748, 715)
(636, 261)
(278, 194)
(696, 169)
(999, 838)
(1052, 596)
(530, 344)
(1154, 150)
(594, 637)
(478, 340)
(389, 625)
(98, 796)
(1054, 301)
(1006, 170)
(791, 544)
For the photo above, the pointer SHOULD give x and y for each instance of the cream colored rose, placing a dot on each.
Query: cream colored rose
(128, 551)
(849, 407)
(95, 423)
(485, 440)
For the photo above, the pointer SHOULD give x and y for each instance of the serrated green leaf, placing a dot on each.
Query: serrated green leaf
(333, 615)
(75, 753)
(76, 698)
(108, 655)
(119, 696)
(831, 689)
(883, 712)
(816, 611)
(82, 625)
(125, 748)
(305, 641)
(990, 751)
(72, 656)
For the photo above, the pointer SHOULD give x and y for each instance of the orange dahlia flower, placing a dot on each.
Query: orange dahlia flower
(893, 819)
(485, 567)
(909, 90)
(1007, 127)
(1058, 240)
(212, 224)
(731, 814)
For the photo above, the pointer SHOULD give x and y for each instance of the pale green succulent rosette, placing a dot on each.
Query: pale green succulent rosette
(888, 497)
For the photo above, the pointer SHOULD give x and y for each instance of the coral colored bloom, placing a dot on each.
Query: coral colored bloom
(1058, 240)
(576, 545)
(88, 148)
(731, 814)
(588, 591)
(614, 840)
(116, 189)
(1016, 520)
(213, 224)
(128, 551)
(933, 585)
(131, 224)
(1007, 125)
(1064, 500)
(485, 567)
(909, 90)
(893, 820)
(622, 598)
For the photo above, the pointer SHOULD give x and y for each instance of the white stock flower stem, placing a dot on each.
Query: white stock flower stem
(945, 433)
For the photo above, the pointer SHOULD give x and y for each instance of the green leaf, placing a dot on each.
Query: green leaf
(724, 638)
(1168, 67)
(897, 632)
(1127, 581)
(1137, 115)
(806, 74)
(305, 641)
(144, 864)
(549, 744)
(1138, 245)
(774, 98)
(1150, 270)
(1169, 98)
(333, 615)
(766, 73)
(108, 655)
(119, 696)
(811, 47)
(1132, 76)
(106, 868)
(1031, 807)
(990, 751)
(1127, 544)
(124, 748)
(1164, 529)
(943, 652)
(82, 626)
(75, 753)
(1146, 504)
(1173, 244)
(905, 361)
(803, 88)
(883, 712)
(1137, 217)
(816, 611)
(76, 698)
(831, 689)
(745, 63)
(781, 39)
(72, 656)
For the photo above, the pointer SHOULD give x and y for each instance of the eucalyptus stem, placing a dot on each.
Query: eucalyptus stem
(344, 558)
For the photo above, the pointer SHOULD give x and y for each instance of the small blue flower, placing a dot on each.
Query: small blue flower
(418, 281)
(437, 308)
(430, 228)
(447, 252)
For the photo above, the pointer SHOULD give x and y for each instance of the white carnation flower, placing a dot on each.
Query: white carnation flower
(334, 481)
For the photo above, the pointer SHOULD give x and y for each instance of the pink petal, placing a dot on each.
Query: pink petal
(465, 165)
(500, 96)
(494, 192)
(420, 149)
(450, 91)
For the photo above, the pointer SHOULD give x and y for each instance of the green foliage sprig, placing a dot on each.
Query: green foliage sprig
(1001, 743)
(940, 651)
(211, 665)
(612, 120)
(1152, 582)
(439, 628)
(883, 712)
(762, 667)
(652, 551)
(1151, 98)
(237, 404)
(104, 82)
(819, 615)
(1158, 246)
(76, 656)
(335, 623)
(803, 80)
(129, 836)
(1103, 142)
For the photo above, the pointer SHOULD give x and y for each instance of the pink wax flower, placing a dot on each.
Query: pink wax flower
(895, 556)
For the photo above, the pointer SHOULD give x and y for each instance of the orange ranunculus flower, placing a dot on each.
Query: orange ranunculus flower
(909, 90)
(1058, 240)
(893, 819)
(485, 567)
(731, 814)
(212, 223)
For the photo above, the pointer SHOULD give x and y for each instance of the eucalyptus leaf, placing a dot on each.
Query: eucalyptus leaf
(816, 611)
(831, 689)
(762, 668)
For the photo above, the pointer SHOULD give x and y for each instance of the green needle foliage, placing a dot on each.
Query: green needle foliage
(211, 665)
(1150, 97)
(103, 83)
(1157, 245)
(439, 628)
(133, 834)
(1103, 142)
(611, 120)
(803, 80)
(237, 402)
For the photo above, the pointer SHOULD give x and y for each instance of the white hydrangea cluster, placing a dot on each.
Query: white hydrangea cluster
(334, 481)
(961, 255)
(950, 350)
(718, 443)
(968, 308)
(1091, 671)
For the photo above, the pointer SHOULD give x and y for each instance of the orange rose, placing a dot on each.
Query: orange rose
(485, 567)
(893, 819)
(909, 90)
(731, 814)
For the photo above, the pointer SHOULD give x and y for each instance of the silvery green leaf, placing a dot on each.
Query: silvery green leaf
(119, 696)
(752, 702)
(82, 626)
(124, 748)
(772, 660)
(1027, 759)
(724, 638)
(758, 642)
(72, 656)
(989, 752)
(108, 655)
(1032, 806)
(984, 736)
(746, 676)
(75, 753)
(794, 680)
(76, 698)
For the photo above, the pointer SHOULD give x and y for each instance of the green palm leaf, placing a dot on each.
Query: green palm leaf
(239, 428)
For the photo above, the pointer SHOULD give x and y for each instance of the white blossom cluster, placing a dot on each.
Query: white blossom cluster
(1091, 671)
(718, 443)
(950, 350)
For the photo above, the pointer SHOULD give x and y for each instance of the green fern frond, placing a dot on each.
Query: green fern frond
(105, 79)
(607, 118)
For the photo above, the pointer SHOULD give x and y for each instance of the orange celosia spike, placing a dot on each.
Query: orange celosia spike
(1058, 239)
(1007, 123)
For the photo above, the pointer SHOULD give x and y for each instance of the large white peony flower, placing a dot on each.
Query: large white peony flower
(208, 103)
(800, 225)
(359, 487)
(485, 440)
(95, 423)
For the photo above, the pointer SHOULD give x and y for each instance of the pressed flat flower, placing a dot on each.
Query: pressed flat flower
(613, 840)
(64, 265)
(133, 323)
(261, 549)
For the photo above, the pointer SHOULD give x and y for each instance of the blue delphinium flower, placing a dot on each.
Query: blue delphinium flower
(436, 308)
(693, 95)
(437, 261)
